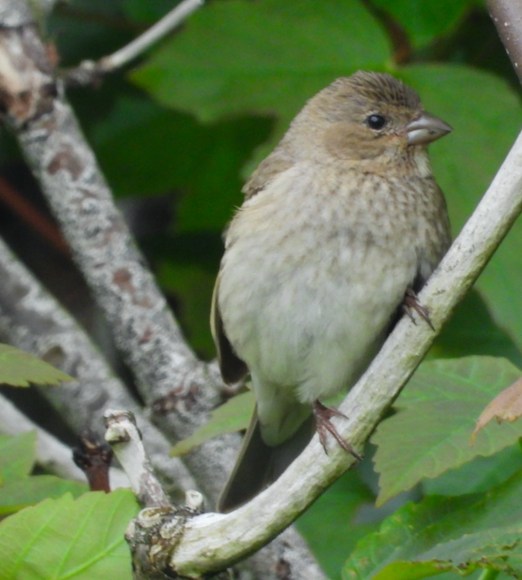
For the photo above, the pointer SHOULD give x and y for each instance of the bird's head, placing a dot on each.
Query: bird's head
(369, 117)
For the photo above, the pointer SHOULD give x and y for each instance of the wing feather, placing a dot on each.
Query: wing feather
(233, 369)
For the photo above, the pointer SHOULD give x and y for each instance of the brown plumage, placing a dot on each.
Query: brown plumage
(339, 222)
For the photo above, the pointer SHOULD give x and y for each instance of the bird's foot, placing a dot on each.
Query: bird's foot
(322, 416)
(410, 303)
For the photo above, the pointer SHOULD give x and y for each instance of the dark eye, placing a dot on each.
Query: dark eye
(376, 122)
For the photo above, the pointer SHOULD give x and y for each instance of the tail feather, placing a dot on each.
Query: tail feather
(259, 465)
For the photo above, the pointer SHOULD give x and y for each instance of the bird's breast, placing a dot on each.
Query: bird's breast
(315, 267)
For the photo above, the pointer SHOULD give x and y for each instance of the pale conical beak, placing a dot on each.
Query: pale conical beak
(425, 129)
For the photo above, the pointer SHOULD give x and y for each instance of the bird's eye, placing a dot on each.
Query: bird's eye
(376, 122)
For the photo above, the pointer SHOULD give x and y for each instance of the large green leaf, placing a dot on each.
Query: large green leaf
(436, 415)
(425, 19)
(480, 474)
(233, 416)
(439, 534)
(79, 539)
(19, 368)
(332, 525)
(17, 455)
(200, 164)
(264, 57)
(27, 491)
(472, 331)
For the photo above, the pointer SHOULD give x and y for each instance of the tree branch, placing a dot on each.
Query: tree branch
(90, 70)
(144, 328)
(125, 439)
(33, 321)
(507, 16)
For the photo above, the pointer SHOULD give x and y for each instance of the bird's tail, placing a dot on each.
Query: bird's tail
(258, 465)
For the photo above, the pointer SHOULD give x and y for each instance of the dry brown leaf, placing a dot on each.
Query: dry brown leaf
(506, 406)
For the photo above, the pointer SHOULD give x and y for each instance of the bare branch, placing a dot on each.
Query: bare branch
(289, 555)
(90, 70)
(507, 16)
(145, 330)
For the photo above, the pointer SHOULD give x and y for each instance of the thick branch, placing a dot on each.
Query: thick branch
(144, 328)
(202, 548)
(507, 16)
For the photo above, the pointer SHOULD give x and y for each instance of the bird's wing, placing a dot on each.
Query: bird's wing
(275, 164)
(233, 369)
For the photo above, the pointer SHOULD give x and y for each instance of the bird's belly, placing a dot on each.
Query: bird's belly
(309, 321)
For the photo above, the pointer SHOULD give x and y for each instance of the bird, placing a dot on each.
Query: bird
(340, 227)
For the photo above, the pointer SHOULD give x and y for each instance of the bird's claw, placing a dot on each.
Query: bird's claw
(410, 303)
(322, 416)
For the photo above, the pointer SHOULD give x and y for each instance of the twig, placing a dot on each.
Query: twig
(89, 70)
(51, 454)
(93, 455)
(125, 439)
(507, 16)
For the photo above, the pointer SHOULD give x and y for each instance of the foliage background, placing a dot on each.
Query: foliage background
(177, 133)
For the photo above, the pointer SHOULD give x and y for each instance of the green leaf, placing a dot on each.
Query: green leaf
(202, 163)
(193, 286)
(264, 57)
(26, 491)
(436, 415)
(486, 123)
(79, 539)
(233, 416)
(149, 11)
(473, 331)
(19, 369)
(17, 455)
(424, 20)
(331, 526)
(441, 534)
(480, 474)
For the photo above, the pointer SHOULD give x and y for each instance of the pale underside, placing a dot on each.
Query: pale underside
(307, 289)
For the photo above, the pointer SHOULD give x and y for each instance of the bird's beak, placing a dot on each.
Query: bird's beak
(425, 129)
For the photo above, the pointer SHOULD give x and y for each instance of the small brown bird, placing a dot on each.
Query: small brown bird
(341, 224)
